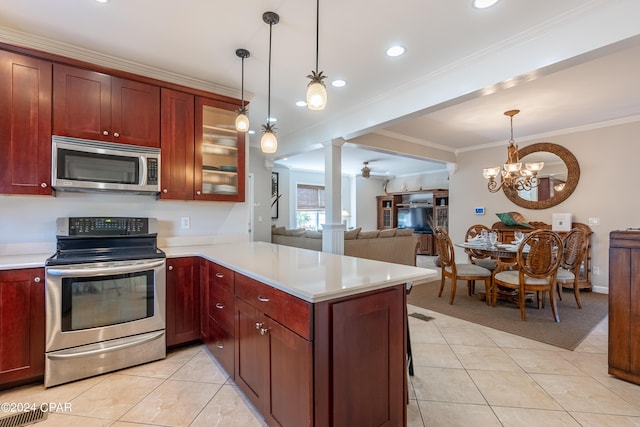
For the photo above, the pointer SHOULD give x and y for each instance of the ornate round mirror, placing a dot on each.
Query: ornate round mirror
(556, 181)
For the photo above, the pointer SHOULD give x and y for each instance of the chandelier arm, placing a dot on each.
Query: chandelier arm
(493, 186)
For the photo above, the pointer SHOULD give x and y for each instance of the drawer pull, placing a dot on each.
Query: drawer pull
(219, 305)
(259, 325)
(219, 275)
(219, 345)
(263, 299)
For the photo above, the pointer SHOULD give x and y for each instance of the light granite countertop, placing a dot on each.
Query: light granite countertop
(310, 275)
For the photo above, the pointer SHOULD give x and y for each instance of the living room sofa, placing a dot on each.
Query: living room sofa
(392, 245)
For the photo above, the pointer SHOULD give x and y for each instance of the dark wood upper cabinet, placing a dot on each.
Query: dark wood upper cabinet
(177, 145)
(25, 125)
(92, 105)
(219, 166)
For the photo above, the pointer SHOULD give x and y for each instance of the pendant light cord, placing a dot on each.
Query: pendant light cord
(269, 88)
(317, 32)
(242, 86)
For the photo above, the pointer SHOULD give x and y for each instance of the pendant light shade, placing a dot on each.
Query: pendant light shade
(316, 95)
(269, 142)
(316, 89)
(242, 121)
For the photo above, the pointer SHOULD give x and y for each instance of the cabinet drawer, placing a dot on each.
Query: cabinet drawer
(220, 276)
(288, 310)
(221, 345)
(221, 306)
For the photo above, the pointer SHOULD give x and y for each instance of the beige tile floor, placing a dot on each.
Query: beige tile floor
(465, 375)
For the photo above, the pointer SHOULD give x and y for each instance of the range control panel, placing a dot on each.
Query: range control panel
(97, 226)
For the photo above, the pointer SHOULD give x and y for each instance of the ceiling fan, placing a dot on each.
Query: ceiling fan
(366, 170)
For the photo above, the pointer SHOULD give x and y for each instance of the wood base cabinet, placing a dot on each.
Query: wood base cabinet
(183, 300)
(334, 363)
(22, 326)
(218, 311)
(624, 305)
(274, 363)
(359, 360)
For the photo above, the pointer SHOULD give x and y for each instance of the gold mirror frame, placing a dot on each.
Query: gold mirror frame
(573, 175)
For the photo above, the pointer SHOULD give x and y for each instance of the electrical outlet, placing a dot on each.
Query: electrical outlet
(594, 222)
(185, 222)
(596, 271)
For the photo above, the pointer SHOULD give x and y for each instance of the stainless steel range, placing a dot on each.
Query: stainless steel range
(105, 297)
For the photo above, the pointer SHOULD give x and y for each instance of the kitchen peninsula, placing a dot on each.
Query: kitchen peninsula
(311, 338)
(318, 338)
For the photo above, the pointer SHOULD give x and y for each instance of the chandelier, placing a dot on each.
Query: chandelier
(513, 176)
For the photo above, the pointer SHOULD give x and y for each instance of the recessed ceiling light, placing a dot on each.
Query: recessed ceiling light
(252, 132)
(338, 83)
(396, 51)
(483, 4)
(102, 1)
(301, 103)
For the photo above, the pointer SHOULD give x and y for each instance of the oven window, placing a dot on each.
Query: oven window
(93, 167)
(93, 302)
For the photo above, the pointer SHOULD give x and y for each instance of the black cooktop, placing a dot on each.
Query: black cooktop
(87, 250)
(83, 240)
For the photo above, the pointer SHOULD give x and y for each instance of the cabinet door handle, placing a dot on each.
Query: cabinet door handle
(105, 132)
(219, 275)
(198, 193)
(43, 185)
(264, 331)
(171, 267)
(116, 134)
(219, 345)
(263, 299)
(165, 191)
(219, 305)
(36, 279)
(259, 325)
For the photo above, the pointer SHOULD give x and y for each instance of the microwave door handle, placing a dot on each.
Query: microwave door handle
(102, 270)
(142, 179)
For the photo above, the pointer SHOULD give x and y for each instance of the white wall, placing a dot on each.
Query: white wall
(608, 159)
(366, 204)
(32, 219)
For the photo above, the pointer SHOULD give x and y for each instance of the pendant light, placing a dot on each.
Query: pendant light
(269, 142)
(316, 90)
(242, 121)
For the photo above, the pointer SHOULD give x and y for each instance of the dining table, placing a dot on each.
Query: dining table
(505, 255)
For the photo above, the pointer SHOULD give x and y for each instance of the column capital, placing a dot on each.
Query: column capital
(336, 142)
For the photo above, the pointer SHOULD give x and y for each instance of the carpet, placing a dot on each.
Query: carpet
(574, 326)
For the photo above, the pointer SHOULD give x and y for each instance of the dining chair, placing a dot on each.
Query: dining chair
(475, 257)
(575, 245)
(454, 271)
(536, 267)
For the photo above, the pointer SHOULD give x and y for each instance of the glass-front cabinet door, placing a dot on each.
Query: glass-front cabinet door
(219, 152)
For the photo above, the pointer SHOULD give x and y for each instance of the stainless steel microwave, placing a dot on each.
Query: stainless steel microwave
(85, 165)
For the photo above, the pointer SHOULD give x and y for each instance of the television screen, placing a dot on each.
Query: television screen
(416, 217)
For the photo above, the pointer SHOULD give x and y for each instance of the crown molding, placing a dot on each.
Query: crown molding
(31, 41)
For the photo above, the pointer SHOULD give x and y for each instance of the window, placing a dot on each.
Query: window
(310, 206)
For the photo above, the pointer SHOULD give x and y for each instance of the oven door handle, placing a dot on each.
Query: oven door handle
(104, 348)
(102, 270)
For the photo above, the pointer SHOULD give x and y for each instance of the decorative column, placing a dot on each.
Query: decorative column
(333, 229)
